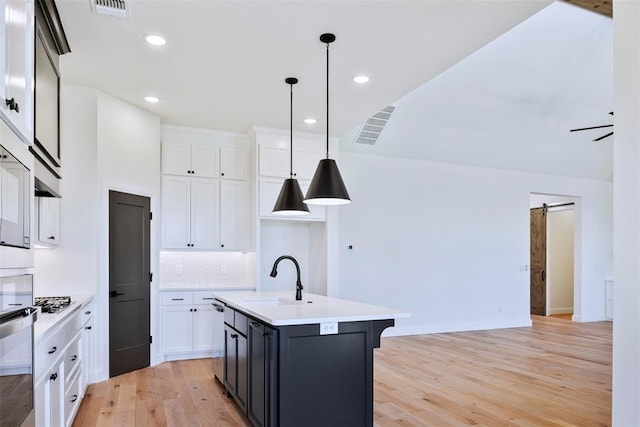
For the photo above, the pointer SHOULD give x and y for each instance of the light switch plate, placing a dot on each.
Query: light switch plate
(328, 328)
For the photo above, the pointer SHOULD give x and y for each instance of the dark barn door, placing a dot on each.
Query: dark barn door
(129, 282)
(538, 283)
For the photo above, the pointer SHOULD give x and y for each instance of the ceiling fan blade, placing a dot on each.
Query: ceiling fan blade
(603, 137)
(592, 127)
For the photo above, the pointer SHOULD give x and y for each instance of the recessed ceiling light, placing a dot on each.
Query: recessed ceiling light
(310, 121)
(361, 79)
(155, 39)
(151, 99)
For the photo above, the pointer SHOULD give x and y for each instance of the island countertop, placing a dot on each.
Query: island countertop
(281, 308)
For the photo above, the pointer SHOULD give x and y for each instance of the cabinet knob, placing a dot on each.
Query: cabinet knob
(222, 246)
(51, 237)
(74, 357)
(13, 105)
(53, 350)
(195, 309)
(87, 312)
(222, 174)
(53, 376)
(74, 398)
(88, 328)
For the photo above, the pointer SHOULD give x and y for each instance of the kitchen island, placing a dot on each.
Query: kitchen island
(302, 363)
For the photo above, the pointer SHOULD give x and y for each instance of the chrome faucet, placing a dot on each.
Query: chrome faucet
(274, 273)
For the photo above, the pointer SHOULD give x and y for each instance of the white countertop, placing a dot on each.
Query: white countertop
(280, 308)
(47, 321)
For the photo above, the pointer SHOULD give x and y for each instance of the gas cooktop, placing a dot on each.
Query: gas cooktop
(52, 304)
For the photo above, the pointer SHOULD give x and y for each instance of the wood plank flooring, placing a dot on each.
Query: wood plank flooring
(557, 373)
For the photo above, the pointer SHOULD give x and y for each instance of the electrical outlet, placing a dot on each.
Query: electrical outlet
(328, 328)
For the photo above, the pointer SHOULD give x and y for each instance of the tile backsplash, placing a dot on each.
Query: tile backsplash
(196, 270)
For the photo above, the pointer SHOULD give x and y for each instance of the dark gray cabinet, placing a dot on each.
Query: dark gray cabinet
(291, 376)
(235, 360)
(263, 351)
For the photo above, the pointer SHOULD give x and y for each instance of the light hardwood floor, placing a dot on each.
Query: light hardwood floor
(557, 373)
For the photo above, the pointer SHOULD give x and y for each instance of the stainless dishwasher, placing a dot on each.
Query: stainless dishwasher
(218, 334)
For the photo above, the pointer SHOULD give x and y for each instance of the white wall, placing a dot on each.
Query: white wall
(107, 144)
(72, 267)
(449, 242)
(560, 261)
(626, 327)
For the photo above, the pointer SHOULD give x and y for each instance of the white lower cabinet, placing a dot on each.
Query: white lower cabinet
(60, 358)
(187, 325)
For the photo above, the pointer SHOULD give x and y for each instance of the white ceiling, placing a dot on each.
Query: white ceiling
(225, 62)
(510, 105)
(470, 88)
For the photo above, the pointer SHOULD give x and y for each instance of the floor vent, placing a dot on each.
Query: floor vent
(373, 127)
(115, 8)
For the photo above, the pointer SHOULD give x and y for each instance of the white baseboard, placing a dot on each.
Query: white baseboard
(560, 310)
(191, 355)
(583, 318)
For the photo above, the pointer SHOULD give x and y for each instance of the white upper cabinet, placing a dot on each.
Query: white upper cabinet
(186, 159)
(234, 207)
(274, 161)
(16, 66)
(233, 163)
(48, 221)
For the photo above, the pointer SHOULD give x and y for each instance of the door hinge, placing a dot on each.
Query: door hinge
(150, 216)
(150, 277)
(150, 339)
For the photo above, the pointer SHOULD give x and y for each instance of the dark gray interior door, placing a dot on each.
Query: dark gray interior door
(538, 284)
(129, 282)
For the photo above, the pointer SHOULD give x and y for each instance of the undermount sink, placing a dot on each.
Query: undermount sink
(274, 301)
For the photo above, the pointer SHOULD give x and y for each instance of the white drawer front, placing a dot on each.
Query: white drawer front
(202, 298)
(176, 298)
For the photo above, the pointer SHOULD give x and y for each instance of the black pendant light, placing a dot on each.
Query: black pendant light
(327, 187)
(290, 201)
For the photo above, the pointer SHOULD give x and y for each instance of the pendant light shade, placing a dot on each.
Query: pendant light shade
(290, 201)
(327, 186)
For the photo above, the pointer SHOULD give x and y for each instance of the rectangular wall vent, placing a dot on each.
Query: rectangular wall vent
(373, 127)
(115, 8)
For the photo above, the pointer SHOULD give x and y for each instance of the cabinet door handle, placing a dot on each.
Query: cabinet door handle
(234, 336)
(114, 294)
(88, 327)
(74, 357)
(207, 298)
(74, 398)
(87, 312)
(54, 376)
(177, 299)
(51, 237)
(16, 304)
(53, 350)
(13, 105)
(218, 307)
(255, 324)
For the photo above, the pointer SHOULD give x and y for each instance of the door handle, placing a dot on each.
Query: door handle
(543, 275)
(115, 294)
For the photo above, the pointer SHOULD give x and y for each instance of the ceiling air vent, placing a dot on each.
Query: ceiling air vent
(115, 8)
(373, 127)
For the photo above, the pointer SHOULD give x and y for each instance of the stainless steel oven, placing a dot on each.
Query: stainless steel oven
(17, 316)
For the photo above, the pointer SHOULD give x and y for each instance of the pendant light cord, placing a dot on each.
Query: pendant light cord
(291, 133)
(327, 100)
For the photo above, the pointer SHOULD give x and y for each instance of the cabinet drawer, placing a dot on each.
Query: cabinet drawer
(72, 398)
(54, 345)
(177, 298)
(228, 316)
(72, 357)
(240, 322)
(86, 313)
(202, 298)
